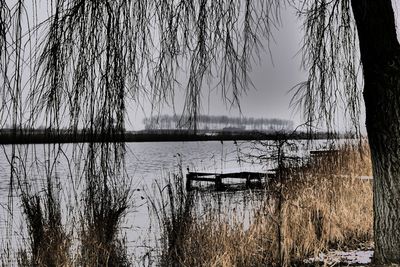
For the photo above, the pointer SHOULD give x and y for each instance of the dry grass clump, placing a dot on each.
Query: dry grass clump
(100, 250)
(50, 245)
(347, 160)
(314, 221)
(105, 207)
(320, 205)
(95, 243)
(49, 241)
(173, 209)
(217, 241)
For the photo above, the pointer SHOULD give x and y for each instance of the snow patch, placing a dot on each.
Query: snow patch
(334, 257)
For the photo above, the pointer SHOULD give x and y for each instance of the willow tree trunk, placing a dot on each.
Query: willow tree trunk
(380, 56)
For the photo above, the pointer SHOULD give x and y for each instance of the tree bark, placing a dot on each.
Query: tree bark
(380, 56)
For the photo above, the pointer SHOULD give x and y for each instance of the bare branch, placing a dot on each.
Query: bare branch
(330, 55)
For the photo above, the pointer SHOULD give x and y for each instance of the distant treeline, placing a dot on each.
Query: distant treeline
(64, 136)
(216, 123)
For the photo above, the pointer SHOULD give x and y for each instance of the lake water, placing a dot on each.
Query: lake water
(145, 164)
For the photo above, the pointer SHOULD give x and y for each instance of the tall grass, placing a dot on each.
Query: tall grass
(49, 241)
(82, 229)
(173, 209)
(100, 243)
(327, 204)
(106, 198)
(324, 205)
(50, 244)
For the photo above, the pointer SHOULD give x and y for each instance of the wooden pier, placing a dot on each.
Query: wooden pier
(247, 178)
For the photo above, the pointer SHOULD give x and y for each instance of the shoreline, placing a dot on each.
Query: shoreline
(64, 136)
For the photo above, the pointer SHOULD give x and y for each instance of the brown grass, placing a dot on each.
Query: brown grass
(324, 204)
(49, 241)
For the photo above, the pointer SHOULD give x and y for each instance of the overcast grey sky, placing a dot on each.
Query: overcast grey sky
(271, 97)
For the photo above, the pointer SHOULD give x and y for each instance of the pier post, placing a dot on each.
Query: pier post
(218, 182)
(248, 181)
(189, 182)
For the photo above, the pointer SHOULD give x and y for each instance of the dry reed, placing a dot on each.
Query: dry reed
(325, 204)
(49, 239)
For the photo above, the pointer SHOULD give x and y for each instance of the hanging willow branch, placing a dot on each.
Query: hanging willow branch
(97, 52)
(331, 58)
(4, 59)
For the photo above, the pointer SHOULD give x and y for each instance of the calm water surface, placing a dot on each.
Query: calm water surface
(145, 164)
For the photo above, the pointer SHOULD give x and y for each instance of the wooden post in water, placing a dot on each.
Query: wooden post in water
(248, 181)
(189, 182)
(218, 182)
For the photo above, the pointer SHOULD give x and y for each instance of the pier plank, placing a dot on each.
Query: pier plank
(217, 178)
